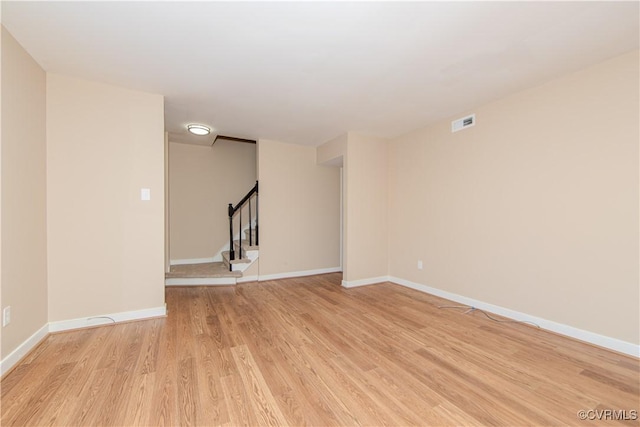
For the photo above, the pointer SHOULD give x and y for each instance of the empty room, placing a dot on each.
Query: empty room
(320, 213)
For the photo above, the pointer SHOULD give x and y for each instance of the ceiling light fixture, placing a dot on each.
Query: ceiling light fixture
(199, 130)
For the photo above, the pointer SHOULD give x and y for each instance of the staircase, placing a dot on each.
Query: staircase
(249, 253)
(242, 253)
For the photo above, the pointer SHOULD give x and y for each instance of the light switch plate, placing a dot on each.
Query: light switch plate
(145, 194)
(6, 316)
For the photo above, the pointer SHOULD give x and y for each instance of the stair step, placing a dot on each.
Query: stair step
(225, 258)
(253, 233)
(245, 245)
(199, 271)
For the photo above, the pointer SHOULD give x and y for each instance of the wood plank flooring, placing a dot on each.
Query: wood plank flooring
(306, 351)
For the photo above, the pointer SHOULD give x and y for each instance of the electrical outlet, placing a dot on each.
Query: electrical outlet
(419, 264)
(6, 316)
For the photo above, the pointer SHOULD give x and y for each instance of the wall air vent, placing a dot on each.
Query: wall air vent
(463, 123)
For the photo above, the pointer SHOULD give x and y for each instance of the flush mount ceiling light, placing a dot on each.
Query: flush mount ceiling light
(199, 129)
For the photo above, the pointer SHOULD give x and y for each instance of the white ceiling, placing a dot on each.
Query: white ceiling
(305, 72)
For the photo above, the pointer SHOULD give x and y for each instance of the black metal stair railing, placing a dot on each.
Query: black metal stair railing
(237, 209)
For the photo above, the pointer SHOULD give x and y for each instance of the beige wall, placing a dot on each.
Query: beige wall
(365, 207)
(106, 246)
(167, 244)
(2, 31)
(24, 233)
(332, 152)
(299, 210)
(535, 208)
(203, 181)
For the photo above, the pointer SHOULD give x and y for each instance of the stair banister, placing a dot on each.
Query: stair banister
(250, 226)
(232, 252)
(232, 210)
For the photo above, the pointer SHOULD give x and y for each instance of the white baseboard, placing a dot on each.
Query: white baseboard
(105, 319)
(223, 281)
(245, 279)
(201, 281)
(14, 357)
(24, 348)
(288, 275)
(562, 329)
(193, 261)
(364, 282)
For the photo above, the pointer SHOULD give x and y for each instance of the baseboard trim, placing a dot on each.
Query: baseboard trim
(29, 344)
(291, 274)
(364, 282)
(201, 281)
(16, 355)
(245, 279)
(559, 328)
(193, 261)
(105, 319)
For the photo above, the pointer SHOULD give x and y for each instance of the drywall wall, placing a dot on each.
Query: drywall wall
(24, 244)
(299, 210)
(365, 207)
(2, 30)
(332, 152)
(105, 245)
(535, 208)
(167, 216)
(202, 183)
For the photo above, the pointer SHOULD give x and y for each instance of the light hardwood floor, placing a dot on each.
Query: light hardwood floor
(307, 352)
